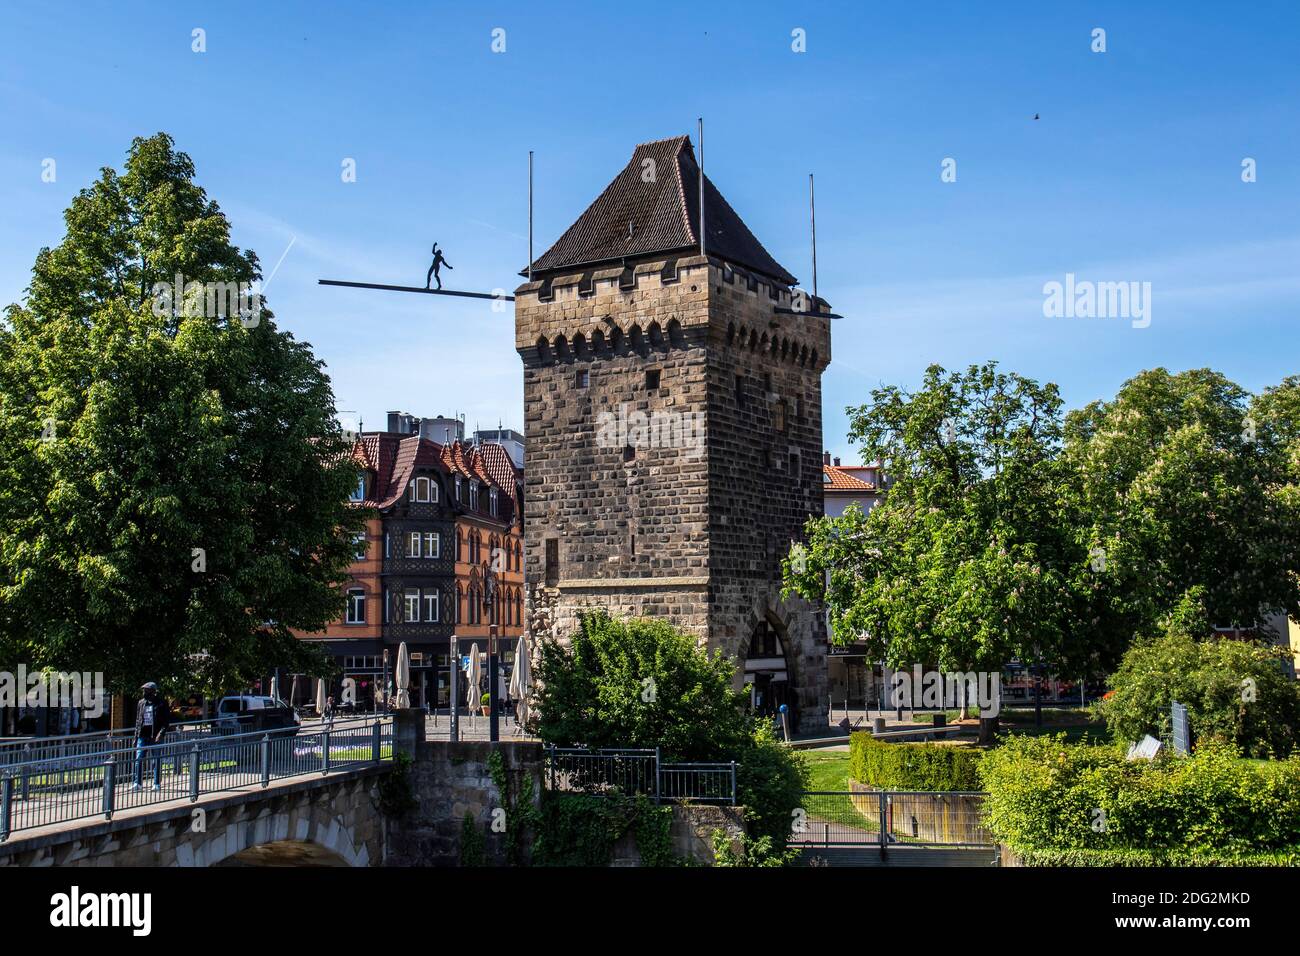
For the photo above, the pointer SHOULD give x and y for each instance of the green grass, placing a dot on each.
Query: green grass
(829, 770)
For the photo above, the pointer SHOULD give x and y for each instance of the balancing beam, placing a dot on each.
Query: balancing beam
(413, 288)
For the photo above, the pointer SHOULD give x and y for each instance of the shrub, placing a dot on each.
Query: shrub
(581, 830)
(641, 683)
(925, 766)
(1209, 678)
(638, 683)
(770, 781)
(1049, 797)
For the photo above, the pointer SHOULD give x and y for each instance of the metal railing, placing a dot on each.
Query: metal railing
(639, 772)
(16, 750)
(59, 789)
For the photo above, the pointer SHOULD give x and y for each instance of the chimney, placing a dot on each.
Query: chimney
(826, 457)
(394, 421)
(837, 463)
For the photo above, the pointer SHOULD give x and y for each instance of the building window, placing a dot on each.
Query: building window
(740, 391)
(583, 378)
(412, 604)
(432, 545)
(458, 543)
(492, 502)
(356, 606)
(424, 490)
(459, 497)
(413, 544)
(431, 606)
(359, 492)
(652, 378)
(552, 560)
(473, 496)
(359, 545)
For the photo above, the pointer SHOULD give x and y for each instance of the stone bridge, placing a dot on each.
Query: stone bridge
(337, 813)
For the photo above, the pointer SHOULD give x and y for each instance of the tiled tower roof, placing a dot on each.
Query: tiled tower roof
(652, 207)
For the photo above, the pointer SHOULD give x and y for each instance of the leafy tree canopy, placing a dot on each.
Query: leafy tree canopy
(1012, 531)
(173, 484)
(1185, 483)
(1235, 690)
(965, 561)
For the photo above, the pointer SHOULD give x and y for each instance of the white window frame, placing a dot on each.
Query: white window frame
(411, 600)
(431, 605)
(424, 490)
(353, 604)
(432, 544)
(492, 501)
(413, 544)
(362, 545)
(473, 496)
(359, 492)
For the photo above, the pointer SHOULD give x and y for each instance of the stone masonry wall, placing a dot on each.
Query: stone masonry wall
(449, 781)
(688, 524)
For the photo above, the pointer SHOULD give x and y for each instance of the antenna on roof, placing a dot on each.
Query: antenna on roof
(812, 214)
(530, 215)
(702, 252)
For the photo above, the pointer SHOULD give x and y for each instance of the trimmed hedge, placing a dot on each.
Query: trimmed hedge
(921, 766)
(1058, 804)
(1149, 858)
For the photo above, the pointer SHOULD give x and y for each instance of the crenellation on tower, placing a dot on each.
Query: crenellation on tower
(673, 423)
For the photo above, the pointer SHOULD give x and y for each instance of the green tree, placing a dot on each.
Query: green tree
(639, 683)
(173, 484)
(970, 559)
(1235, 690)
(1183, 482)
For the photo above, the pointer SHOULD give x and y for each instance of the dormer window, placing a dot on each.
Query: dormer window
(473, 496)
(459, 496)
(424, 490)
(359, 492)
(492, 501)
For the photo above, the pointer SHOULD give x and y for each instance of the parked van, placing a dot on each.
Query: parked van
(248, 713)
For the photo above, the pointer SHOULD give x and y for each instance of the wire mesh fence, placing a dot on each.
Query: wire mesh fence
(844, 818)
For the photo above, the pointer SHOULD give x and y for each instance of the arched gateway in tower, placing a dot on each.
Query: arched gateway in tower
(672, 408)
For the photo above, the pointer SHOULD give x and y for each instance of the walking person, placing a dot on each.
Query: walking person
(438, 263)
(329, 710)
(152, 718)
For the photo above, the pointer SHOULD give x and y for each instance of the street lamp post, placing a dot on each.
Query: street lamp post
(489, 603)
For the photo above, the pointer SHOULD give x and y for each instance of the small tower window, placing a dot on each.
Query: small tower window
(552, 560)
(583, 378)
(652, 379)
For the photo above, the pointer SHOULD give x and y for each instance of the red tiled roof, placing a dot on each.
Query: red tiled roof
(842, 480)
(393, 458)
(499, 464)
(663, 212)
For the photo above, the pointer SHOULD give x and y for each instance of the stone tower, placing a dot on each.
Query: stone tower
(672, 409)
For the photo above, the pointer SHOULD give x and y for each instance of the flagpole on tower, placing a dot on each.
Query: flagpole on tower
(530, 215)
(701, 129)
(812, 215)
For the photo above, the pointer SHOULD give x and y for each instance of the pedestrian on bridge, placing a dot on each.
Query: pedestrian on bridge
(152, 718)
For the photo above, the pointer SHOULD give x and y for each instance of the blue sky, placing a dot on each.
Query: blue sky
(1132, 172)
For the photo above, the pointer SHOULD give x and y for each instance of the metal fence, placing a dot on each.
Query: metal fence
(89, 783)
(881, 819)
(16, 750)
(639, 772)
